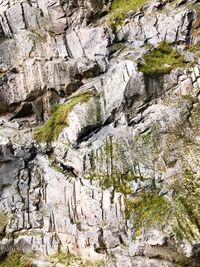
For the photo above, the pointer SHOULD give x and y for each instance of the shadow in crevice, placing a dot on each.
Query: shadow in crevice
(140, 92)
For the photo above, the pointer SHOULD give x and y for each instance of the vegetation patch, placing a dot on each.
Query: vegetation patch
(176, 212)
(119, 9)
(68, 259)
(194, 49)
(116, 47)
(58, 119)
(27, 233)
(149, 210)
(179, 216)
(193, 6)
(119, 181)
(186, 203)
(3, 223)
(17, 259)
(64, 258)
(3, 72)
(109, 166)
(97, 263)
(161, 60)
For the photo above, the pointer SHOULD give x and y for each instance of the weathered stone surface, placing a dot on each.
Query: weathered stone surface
(135, 140)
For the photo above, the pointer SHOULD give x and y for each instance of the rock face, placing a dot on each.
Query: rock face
(111, 176)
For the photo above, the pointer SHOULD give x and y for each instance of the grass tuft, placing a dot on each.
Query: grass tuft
(149, 209)
(119, 9)
(17, 259)
(3, 223)
(68, 259)
(161, 60)
(58, 119)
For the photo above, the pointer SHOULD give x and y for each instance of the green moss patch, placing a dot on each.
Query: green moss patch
(194, 48)
(3, 220)
(27, 233)
(119, 181)
(161, 60)
(149, 209)
(119, 9)
(179, 216)
(3, 223)
(69, 259)
(64, 258)
(17, 259)
(58, 119)
(186, 203)
(97, 263)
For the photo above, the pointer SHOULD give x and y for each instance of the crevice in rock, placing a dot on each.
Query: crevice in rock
(25, 111)
(23, 16)
(89, 131)
(101, 249)
(10, 34)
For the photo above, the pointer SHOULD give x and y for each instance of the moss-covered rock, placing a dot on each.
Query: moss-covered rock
(177, 216)
(149, 209)
(17, 259)
(110, 166)
(172, 202)
(161, 60)
(68, 259)
(58, 119)
(173, 205)
(186, 203)
(3, 223)
(119, 9)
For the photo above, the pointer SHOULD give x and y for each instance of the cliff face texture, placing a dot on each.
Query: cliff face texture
(99, 133)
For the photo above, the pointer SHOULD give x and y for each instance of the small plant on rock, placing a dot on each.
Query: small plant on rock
(119, 9)
(161, 60)
(59, 119)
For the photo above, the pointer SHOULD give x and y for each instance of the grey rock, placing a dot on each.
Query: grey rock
(135, 134)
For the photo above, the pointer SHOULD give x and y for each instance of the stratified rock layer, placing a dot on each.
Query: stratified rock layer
(117, 182)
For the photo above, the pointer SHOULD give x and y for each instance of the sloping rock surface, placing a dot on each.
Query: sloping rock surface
(119, 184)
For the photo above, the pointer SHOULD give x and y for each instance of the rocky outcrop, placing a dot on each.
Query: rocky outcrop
(110, 176)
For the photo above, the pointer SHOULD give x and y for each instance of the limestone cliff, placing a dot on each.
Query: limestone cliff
(99, 133)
